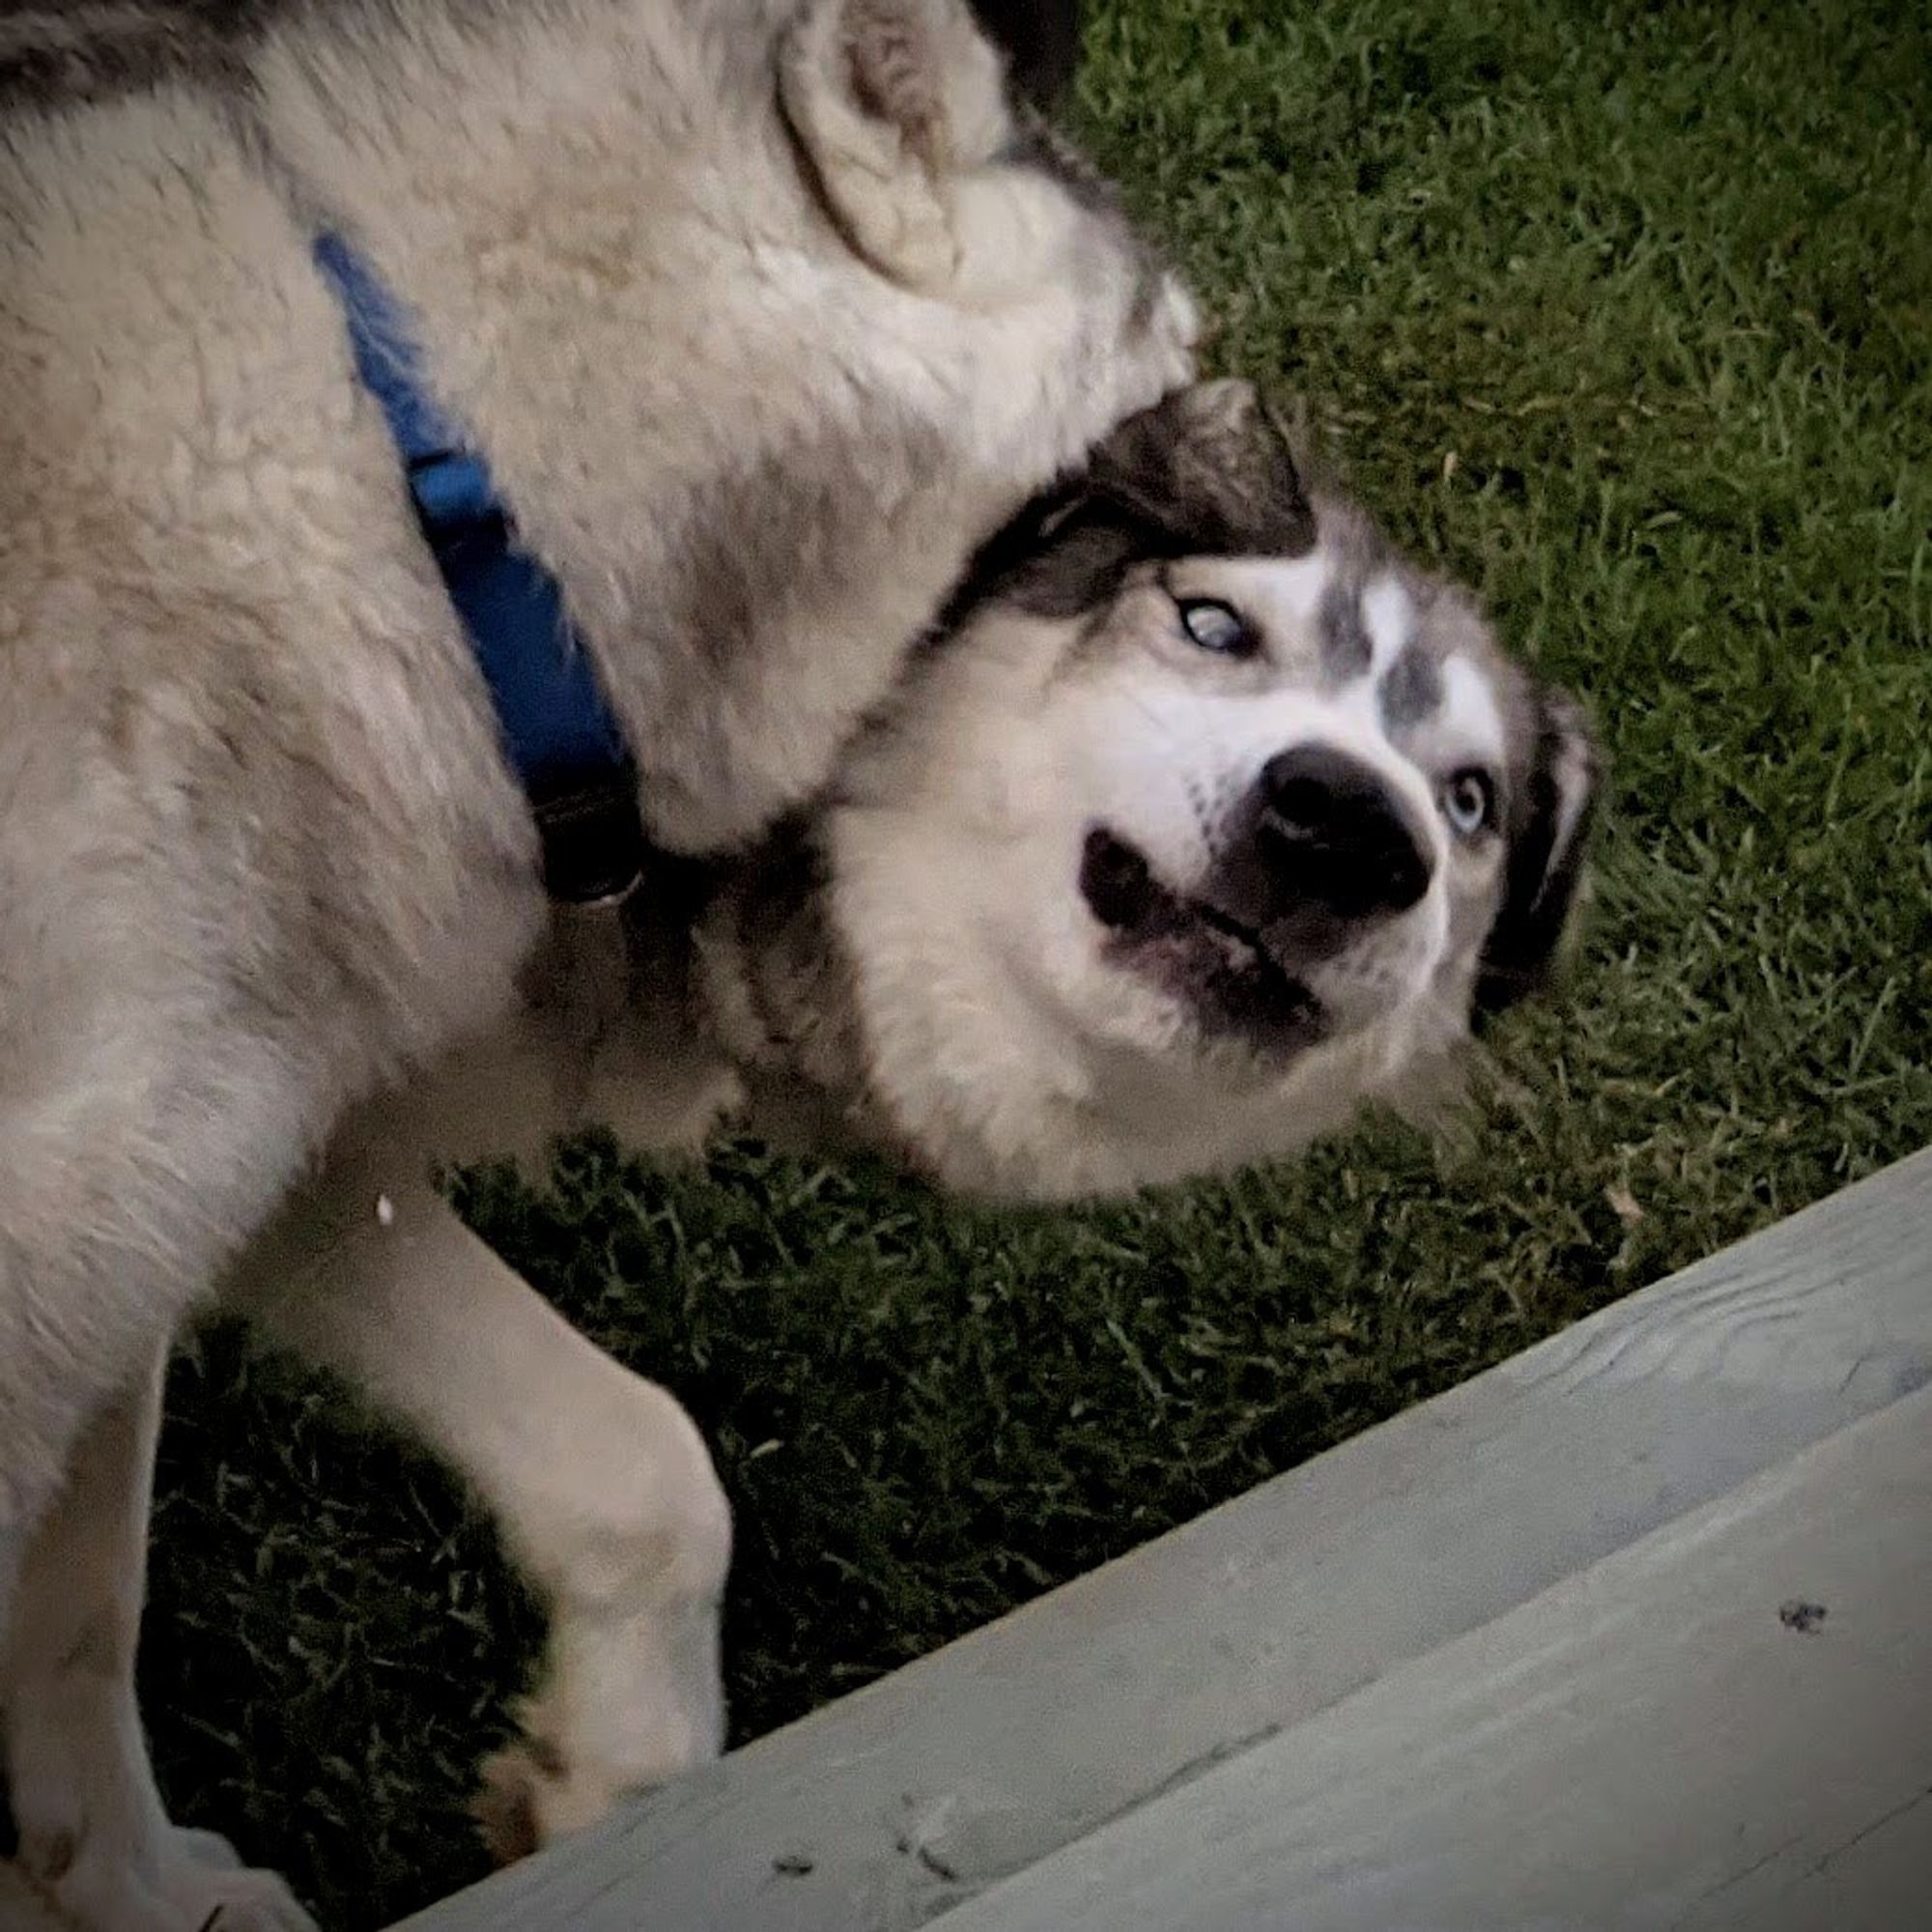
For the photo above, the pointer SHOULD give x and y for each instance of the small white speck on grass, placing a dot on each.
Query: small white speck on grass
(1624, 1204)
(385, 1212)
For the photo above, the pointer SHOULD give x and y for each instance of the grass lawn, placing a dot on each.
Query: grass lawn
(1625, 314)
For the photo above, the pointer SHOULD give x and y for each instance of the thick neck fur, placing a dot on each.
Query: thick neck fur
(573, 254)
(771, 981)
(754, 462)
(754, 453)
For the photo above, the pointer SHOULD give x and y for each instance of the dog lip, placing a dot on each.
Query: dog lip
(1118, 883)
(1123, 893)
(1222, 966)
(1229, 927)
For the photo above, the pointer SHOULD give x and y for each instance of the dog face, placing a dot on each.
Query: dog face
(1208, 820)
(1300, 769)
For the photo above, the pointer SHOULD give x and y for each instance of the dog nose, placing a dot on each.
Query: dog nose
(1339, 836)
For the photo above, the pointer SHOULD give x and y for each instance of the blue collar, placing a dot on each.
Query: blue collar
(557, 729)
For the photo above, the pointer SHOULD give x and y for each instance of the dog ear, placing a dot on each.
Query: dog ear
(885, 100)
(1546, 838)
(1208, 471)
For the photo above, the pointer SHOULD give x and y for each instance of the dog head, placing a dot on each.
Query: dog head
(1207, 820)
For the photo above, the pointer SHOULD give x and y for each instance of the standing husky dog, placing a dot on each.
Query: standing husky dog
(762, 313)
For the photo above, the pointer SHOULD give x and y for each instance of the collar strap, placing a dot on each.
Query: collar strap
(557, 729)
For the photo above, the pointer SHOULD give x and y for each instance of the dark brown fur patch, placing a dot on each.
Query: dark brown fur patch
(505, 1813)
(1546, 838)
(46, 1857)
(1206, 473)
(123, 47)
(1211, 467)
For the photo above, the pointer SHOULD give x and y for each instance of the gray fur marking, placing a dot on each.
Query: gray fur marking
(1412, 689)
(1345, 649)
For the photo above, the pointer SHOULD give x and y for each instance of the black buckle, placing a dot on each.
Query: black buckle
(593, 842)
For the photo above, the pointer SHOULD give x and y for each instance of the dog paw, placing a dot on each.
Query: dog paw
(530, 1795)
(191, 1882)
(247, 1900)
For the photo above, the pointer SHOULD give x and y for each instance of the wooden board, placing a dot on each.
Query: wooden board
(1107, 1698)
(1727, 1724)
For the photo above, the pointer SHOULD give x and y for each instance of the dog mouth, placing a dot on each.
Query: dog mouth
(1222, 968)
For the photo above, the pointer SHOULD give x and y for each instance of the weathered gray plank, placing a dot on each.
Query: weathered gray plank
(896, 1803)
(1647, 1746)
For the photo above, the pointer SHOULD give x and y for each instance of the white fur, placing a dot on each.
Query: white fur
(1387, 613)
(261, 860)
(1473, 723)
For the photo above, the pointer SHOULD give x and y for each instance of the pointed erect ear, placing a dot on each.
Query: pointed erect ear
(1211, 471)
(1206, 473)
(1548, 837)
(887, 99)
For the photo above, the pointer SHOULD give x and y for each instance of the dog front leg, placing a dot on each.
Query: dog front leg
(601, 1483)
(92, 1834)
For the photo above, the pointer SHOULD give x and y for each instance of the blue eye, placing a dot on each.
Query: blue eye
(1216, 627)
(1469, 801)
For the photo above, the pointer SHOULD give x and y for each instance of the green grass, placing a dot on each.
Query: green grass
(1625, 314)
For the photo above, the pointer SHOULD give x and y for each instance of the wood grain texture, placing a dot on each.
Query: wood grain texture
(896, 1805)
(1663, 1741)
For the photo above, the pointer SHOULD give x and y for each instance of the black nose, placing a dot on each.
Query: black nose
(1335, 834)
